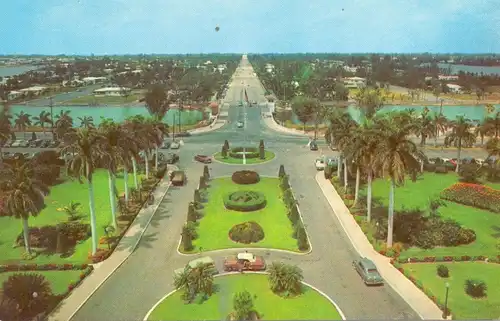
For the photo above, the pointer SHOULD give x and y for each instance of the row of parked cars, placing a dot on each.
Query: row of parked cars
(34, 143)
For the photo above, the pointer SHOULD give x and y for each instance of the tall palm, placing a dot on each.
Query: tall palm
(25, 195)
(135, 125)
(485, 128)
(129, 151)
(22, 120)
(86, 144)
(195, 280)
(86, 121)
(42, 119)
(5, 128)
(461, 133)
(396, 156)
(63, 123)
(370, 100)
(439, 123)
(424, 127)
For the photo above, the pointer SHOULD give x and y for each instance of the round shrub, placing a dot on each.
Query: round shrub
(245, 201)
(250, 152)
(246, 233)
(475, 288)
(442, 271)
(245, 177)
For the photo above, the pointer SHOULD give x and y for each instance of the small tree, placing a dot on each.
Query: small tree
(261, 144)
(284, 183)
(243, 305)
(434, 205)
(262, 152)
(294, 215)
(202, 183)
(226, 144)
(33, 136)
(224, 152)
(197, 196)
(187, 238)
(285, 279)
(281, 172)
(206, 172)
(192, 215)
(302, 242)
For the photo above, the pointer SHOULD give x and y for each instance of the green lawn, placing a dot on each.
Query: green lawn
(416, 195)
(214, 227)
(230, 160)
(59, 280)
(106, 100)
(309, 306)
(462, 306)
(60, 196)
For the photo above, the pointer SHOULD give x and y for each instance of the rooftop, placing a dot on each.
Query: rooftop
(105, 89)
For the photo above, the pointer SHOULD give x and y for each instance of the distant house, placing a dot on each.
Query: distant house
(14, 95)
(354, 82)
(350, 69)
(93, 80)
(456, 89)
(35, 90)
(448, 78)
(112, 91)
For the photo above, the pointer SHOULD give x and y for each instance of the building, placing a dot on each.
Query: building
(14, 95)
(93, 80)
(112, 91)
(354, 82)
(35, 90)
(455, 89)
(448, 78)
(350, 69)
(269, 68)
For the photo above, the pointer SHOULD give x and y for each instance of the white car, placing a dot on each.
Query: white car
(175, 145)
(16, 143)
(239, 124)
(320, 164)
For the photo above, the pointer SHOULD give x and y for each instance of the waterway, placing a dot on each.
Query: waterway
(15, 70)
(486, 70)
(118, 114)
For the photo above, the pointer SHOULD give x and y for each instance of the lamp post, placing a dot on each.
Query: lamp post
(445, 312)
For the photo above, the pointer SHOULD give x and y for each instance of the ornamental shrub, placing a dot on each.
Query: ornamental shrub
(245, 177)
(442, 271)
(475, 288)
(248, 232)
(475, 195)
(245, 201)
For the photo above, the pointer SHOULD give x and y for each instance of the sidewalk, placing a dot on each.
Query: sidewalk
(102, 271)
(216, 124)
(415, 298)
(271, 123)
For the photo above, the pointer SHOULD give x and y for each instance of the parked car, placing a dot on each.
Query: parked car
(165, 145)
(313, 145)
(45, 144)
(54, 144)
(244, 262)
(320, 164)
(175, 145)
(7, 143)
(183, 134)
(240, 124)
(206, 260)
(171, 158)
(178, 178)
(368, 271)
(203, 159)
(16, 143)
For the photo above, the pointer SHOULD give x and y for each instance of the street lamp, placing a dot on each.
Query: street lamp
(445, 312)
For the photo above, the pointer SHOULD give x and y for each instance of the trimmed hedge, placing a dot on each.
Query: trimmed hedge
(246, 233)
(475, 195)
(250, 152)
(245, 177)
(245, 201)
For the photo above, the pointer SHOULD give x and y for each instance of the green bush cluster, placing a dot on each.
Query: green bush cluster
(293, 211)
(245, 201)
(246, 233)
(194, 213)
(476, 288)
(245, 177)
(443, 271)
(250, 152)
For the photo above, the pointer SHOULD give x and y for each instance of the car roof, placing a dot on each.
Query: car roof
(367, 263)
(246, 256)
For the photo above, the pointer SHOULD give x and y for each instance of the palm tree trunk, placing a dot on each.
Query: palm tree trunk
(156, 158)
(146, 161)
(112, 201)
(134, 167)
(339, 166)
(421, 166)
(345, 175)
(356, 192)
(93, 223)
(125, 182)
(26, 235)
(390, 216)
(369, 197)
(459, 151)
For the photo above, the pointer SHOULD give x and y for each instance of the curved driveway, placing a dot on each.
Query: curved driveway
(146, 276)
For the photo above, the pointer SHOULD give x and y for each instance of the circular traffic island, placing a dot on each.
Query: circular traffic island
(245, 201)
(266, 304)
(244, 156)
(246, 233)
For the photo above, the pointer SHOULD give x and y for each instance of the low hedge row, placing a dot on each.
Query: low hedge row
(433, 259)
(475, 195)
(245, 201)
(250, 152)
(42, 267)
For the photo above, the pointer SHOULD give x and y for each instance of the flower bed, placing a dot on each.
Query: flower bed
(476, 195)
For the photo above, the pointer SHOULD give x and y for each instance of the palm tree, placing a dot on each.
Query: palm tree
(63, 123)
(486, 128)
(285, 278)
(42, 119)
(5, 128)
(86, 144)
(134, 125)
(396, 156)
(25, 196)
(86, 121)
(129, 151)
(461, 133)
(439, 123)
(195, 280)
(22, 120)
(370, 100)
(424, 127)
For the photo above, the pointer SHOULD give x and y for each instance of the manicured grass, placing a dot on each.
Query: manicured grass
(230, 160)
(214, 227)
(106, 100)
(417, 195)
(309, 306)
(462, 306)
(60, 196)
(59, 280)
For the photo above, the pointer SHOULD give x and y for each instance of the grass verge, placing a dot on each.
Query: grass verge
(230, 160)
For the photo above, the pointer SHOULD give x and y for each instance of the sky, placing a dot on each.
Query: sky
(188, 26)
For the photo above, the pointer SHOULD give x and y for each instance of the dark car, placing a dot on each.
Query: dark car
(178, 178)
(183, 134)
(165, 145)
(171, 158)
(368, 271)
(45, 144)
(313, 145)
(203, 159)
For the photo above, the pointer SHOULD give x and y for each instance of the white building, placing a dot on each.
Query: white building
(269, 68)
(14, 95)
(93, 80)
(354, 82)
(350, 69)
(112, 91)
(35, 90)
(448, 78)
(456, 89)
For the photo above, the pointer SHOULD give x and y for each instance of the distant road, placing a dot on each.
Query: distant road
(58, 99)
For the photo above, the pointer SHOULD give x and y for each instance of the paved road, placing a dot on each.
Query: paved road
(147, 275)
